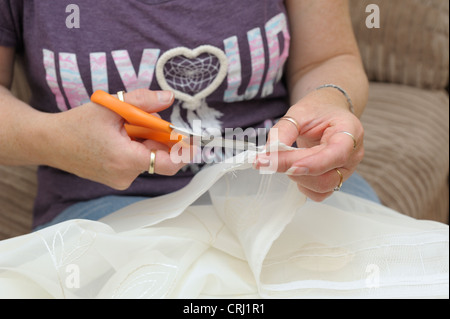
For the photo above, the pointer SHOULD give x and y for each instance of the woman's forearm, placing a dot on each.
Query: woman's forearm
(23, 132)
(324, 51)
(344, 71)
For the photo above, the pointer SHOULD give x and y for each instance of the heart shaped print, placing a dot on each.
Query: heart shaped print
(192, 74)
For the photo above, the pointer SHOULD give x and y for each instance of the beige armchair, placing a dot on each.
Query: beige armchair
(406, 120)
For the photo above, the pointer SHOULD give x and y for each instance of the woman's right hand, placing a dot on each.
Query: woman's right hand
(90, 141)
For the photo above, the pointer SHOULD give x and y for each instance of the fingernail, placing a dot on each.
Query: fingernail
(261, 161)
(273, 146)
(297, 171)
(164, 97)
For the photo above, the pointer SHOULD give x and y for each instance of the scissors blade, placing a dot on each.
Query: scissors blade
(228, 143)
(214, 141)
(185, 132)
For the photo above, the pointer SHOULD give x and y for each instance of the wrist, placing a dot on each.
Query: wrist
(319, 105)
(48, 146)
(325, 98)
(342, 91)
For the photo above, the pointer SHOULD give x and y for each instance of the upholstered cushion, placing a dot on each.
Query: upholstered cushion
(18, 185)
(18, 188)
(411, 45)
(20, 87)
(407, 147)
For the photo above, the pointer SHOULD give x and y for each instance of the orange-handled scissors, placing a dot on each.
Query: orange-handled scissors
(141, 124)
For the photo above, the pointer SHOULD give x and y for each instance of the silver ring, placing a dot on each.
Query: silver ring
(353, 138)
(120, 96)
(151, 169)
(293, 121)
(341, 180)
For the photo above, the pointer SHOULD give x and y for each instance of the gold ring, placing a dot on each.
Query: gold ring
(341, 180)
(151, 169)
(120, 96)
(293, 121)
(353, 138)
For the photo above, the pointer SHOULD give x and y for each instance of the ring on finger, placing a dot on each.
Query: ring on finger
(151, 169)
(120, 96)
(293, 121)
(351, 135)
(341, 180)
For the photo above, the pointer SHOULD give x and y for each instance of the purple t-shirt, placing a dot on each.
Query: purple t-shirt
(224, 59)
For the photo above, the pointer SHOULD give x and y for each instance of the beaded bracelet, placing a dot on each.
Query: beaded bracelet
(350, 103)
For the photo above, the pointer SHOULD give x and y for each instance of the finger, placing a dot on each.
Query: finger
(286, 131)
(315, 196)
(338, 152)
(152, 144)
(324, 183)
(149, 101)
(162, 164)
(284, 161)
(165, 162)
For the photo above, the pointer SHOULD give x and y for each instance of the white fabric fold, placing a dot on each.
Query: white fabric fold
(258, 238)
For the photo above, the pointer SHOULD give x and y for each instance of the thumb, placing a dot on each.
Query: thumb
(285, 131)
(149, 101)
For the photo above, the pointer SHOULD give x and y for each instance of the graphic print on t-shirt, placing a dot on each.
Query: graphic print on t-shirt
(192, 73)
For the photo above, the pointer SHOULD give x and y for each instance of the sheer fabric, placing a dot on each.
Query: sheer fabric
(258, 238)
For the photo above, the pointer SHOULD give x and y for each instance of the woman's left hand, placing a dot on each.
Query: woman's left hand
(330, 139)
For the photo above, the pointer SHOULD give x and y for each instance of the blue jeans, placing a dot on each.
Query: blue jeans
(97, 208)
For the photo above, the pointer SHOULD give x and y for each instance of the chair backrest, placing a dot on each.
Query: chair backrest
(411, 44)
(20, 87)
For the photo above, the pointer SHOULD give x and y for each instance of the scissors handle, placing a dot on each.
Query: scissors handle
(150, 134)
(132, 114)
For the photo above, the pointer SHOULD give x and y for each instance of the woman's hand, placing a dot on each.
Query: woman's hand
(323, 50)
(90, 141)
(322, 116)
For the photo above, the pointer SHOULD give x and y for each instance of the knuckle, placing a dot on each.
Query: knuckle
(120, 182)
(170, 172)
(119, 177)
(360, 155)
(280, 161)
(173, 170)
(361, 128)
(141, 96)
(343, 158)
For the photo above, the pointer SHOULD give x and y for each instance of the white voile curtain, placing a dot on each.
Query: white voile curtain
(255, 236)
